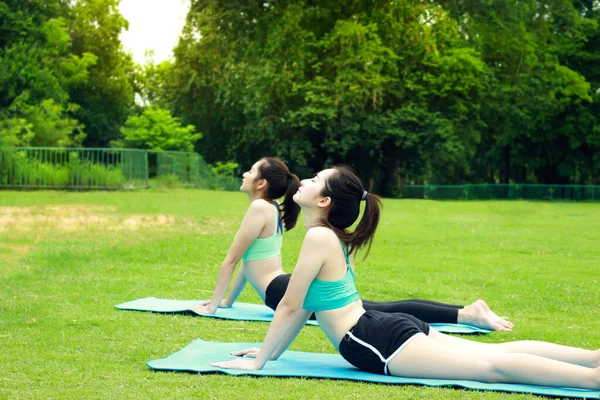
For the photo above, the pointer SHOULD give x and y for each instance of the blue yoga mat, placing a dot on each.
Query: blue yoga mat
(198, 356)
(249, 312)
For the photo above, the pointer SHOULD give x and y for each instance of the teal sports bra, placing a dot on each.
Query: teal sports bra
(263, 248)
(330, 295)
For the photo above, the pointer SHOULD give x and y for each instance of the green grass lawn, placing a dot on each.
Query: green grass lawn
(67, 258)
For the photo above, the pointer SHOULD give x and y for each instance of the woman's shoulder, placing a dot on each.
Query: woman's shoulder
(260, 206)
(320, 234)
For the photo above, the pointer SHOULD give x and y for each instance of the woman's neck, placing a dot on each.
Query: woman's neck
(312, 218)
(256, 196)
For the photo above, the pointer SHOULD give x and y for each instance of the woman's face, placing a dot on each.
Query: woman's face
(309, 192)
(249, 179)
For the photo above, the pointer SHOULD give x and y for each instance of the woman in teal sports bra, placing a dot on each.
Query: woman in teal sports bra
(258, 244)
(390, 343)
(258, 240)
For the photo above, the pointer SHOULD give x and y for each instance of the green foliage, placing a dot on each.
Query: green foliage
(43, 124)
(106, 97)
(153, 82)
(156, 129)
(228, 168)
(529, 134)
(66, 170)
(169, 181)
(405, 91)
(63, 61)
(51, 125)
(86, 173)
(31, 172)
(37, 70)
(15, 131)
(305, 91)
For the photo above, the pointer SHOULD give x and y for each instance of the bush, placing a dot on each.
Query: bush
(19, 169)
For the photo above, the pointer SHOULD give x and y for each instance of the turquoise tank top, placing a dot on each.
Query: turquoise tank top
(329, 295)
(263, 248)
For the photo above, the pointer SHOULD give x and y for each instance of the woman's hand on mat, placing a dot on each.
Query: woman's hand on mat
(252, 353)
(225, 304)
(203, 309)
(240, 363)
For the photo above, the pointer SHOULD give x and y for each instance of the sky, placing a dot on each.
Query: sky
(153, 25)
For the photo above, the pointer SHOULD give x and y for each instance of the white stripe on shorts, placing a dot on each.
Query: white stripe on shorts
(394, 354)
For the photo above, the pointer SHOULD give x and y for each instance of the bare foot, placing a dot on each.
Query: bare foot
(479, 314)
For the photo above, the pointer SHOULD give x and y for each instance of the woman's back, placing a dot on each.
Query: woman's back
(262, 261)
(335, 269)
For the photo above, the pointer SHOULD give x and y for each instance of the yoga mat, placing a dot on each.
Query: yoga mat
(249, 312)
(197, 357)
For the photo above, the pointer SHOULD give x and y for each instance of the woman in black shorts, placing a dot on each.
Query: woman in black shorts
(258, 245)
(391, 343)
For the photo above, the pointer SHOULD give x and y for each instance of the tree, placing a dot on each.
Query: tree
(51, 127)
(156, 129)
(106, 98)
(530, 93)
(405, 90)
(36, 72)
(583, 120)
(318, 83)
(153, 82)
(15, 132)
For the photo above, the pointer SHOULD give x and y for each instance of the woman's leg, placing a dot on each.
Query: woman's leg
(426, 357)
(476, 314)
(479, 314)
(424, 310)
(572, 355)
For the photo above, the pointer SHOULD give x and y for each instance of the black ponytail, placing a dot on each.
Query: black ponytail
(346, 192)
(280, 182)
(291, 210)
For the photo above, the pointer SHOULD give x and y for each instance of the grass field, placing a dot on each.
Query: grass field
(67, 258)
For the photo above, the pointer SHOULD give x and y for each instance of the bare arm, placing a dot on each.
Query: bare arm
(252, 224)
(294, 330)
(236, 289)
(289, 317)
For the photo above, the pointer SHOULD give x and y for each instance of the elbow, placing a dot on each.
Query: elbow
(228, 265)
(287, 308)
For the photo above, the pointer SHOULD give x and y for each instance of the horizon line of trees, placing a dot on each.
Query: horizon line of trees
(404, 91)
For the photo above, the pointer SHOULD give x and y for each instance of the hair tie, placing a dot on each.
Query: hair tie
(364, 195)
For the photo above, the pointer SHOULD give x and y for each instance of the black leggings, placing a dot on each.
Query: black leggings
(425, 310)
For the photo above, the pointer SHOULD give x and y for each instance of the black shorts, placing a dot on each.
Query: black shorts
(377, 337)
(276, 290)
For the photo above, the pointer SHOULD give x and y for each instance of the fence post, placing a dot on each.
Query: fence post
(147, 169)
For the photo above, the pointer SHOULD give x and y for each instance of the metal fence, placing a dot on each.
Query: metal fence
(89, 168)
(95, 168)
(512, 191)
(173, 168)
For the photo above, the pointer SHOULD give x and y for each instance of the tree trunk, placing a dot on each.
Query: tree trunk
(504, 178)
